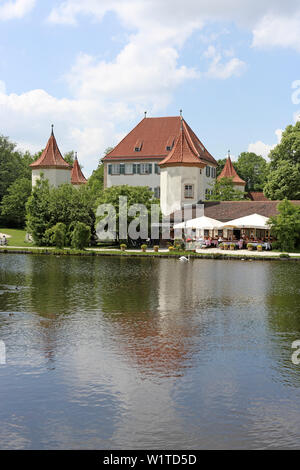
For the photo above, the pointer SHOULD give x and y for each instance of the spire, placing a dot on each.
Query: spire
(51, 156)
(229, 172)
(77, 177)
(183, 152)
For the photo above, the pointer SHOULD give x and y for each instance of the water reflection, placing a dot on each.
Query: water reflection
(122, 353)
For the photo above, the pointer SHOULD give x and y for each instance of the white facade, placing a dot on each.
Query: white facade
(183, 185)
(143, 178)
(55, 176)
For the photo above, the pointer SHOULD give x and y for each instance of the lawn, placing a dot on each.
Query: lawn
(17, 236)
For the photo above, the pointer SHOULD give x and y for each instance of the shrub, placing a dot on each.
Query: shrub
(123, 246)
(144, 247)
(171, 248)
(81, 236)
(156, 248)
(56, 236)
(286, 226)
(284, 255)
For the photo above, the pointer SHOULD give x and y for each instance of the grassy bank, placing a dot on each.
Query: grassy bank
(17, 237)
(174, 254)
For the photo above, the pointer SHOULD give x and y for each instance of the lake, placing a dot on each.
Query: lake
(144, 353)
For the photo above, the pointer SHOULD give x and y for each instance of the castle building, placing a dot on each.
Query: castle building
(54, 167)
(167, 156)
(229, 172)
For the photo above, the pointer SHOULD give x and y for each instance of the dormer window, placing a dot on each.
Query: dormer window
(138, 146)
(170, 144)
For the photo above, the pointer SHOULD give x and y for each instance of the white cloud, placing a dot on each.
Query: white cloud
(273, 22)
(260, 148)
(15, 9)
(223, 70)
(83, 125)
(282, 31)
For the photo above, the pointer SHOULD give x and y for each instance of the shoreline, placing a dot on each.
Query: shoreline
(139, 254)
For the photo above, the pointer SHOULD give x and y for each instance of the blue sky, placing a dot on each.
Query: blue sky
(93, 67)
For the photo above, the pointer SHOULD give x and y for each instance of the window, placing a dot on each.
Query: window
(138, 146)
(206, 233)
(157, 169)
(207, 193)
(220, 233)
(200, 171)
(208, 171)
(145, 168)
(188, 191)
(157, 192)
(128, 168)
(115, 170)
(213, 172)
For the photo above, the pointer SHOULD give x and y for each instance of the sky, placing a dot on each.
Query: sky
(93, 67)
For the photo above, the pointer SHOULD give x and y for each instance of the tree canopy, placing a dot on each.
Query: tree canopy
(253, 169)
(284, 176)
(223, 190)
(286, 226)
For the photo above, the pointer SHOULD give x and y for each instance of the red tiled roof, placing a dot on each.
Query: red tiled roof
(230, 210)
(154, 135)
(229, 172)
(77, 177)
(257, 196)
(51, 156)
(183, 152)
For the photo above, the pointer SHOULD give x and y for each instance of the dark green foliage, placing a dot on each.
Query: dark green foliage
(13, 205)
(81, 236)
(224, 190)
(56, 236)
(253, 169)
(286, 226)
(48, 206)
(284, 176)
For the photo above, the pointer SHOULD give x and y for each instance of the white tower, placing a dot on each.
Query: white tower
(181, 174)
(52, 165)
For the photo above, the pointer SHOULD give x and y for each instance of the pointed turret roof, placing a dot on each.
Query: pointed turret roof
(51, 156)
(77, 177)
(229, 172)
(184, 151)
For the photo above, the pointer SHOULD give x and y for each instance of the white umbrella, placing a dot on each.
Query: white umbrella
(200, 223)
(250, 221)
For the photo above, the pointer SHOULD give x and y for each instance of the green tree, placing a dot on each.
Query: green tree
(38, 215)
(13, 165)
(81, 236)
(96, 180)
(66, 204)
(288, 149)
(56, 236)
(223, 190)
(286, 226)
(283, 182)
(253, 170)
(13, 204)
(70, 157)
(283, 179)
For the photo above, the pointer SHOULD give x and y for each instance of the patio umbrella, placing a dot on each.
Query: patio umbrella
(255, 221)
(203, 222)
